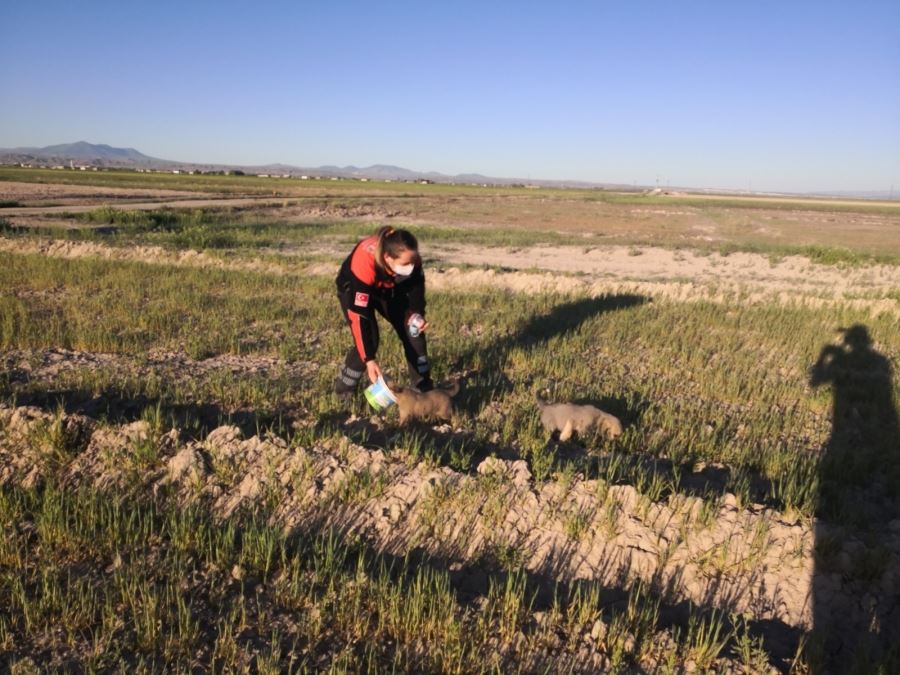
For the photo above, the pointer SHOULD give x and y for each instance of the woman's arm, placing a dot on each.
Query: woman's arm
(415, 290)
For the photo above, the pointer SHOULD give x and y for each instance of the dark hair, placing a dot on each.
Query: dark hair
(394, 242)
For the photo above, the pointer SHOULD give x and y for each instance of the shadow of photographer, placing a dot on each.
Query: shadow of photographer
(490, 381)
(856, 615)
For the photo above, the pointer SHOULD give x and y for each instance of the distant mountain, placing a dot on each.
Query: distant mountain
(83, 151)
(100, 155)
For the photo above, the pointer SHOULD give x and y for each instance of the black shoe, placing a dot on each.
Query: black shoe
(425, 385)
(343, 392)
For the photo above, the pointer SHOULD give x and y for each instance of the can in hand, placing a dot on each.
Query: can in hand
(414, 323)
(380, 396)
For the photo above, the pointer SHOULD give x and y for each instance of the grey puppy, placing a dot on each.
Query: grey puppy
(434, 404)
(569, 418)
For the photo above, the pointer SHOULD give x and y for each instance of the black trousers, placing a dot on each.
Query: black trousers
(394, 308)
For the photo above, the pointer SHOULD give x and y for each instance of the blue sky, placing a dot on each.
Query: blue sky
(793, 96)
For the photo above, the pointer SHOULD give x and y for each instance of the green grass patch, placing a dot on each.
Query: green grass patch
(693, 382)
(96, 581)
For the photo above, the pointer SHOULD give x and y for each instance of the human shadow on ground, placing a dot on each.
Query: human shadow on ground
(856, 597)
(592, 456)
(628, 408)
(460, 449)
(489, 381)
(596, 457)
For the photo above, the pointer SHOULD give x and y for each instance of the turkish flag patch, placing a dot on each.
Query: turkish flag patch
(362, 300)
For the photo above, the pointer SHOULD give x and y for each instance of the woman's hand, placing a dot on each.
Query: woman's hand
(373, 370)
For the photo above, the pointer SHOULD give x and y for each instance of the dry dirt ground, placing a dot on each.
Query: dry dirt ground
(677, 219)
(684, 275)
(678, 275)
(38, 194)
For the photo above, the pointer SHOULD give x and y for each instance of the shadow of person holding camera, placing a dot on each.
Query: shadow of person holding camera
(855, 606)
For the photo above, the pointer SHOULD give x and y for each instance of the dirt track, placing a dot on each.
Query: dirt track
(41, 195)
(222, 202)
(683, 276)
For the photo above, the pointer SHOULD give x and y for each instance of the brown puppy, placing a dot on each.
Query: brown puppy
(434, 404)
(568, 418)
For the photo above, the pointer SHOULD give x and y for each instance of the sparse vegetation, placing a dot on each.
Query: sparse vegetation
(724, 419)
(827, 231)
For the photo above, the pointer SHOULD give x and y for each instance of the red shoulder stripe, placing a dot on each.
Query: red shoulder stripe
(362, 261)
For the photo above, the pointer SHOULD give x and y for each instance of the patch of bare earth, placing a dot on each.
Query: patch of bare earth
(36, 194)
(655, 272)
(677, 274)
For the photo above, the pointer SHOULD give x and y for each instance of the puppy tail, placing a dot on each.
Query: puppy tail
(452, 389)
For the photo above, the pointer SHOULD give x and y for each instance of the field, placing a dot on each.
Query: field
(182, 490)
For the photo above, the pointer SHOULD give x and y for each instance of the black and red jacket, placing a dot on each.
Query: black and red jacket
(366, 284)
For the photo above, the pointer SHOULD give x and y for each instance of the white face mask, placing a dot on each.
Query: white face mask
(403, 270)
